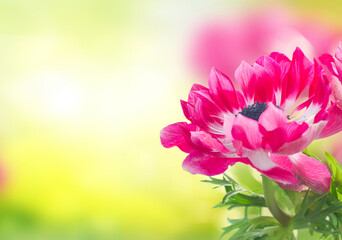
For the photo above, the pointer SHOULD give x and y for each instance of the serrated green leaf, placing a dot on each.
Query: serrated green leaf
(253, 228)
(303, 206)
(217, 181)
(249, 235)
(230, 194)
(281, 233)
(318, 207)
(241, 200)
(335, 167)
(235, 224)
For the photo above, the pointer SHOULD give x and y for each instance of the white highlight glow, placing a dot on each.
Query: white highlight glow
(50, 94)
(60, 94)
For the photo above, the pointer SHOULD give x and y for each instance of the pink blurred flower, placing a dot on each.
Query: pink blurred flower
(334, 65)
(273, 111)
(334, 74)
(225, 44)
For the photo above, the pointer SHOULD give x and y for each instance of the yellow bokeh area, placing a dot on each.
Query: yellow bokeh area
(85, 88)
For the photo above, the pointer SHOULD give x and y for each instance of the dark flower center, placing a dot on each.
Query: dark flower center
(254, 111)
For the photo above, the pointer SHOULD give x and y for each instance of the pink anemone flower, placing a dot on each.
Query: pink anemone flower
(272, 111)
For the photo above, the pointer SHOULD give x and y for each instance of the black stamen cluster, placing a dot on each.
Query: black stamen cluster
(254, 111)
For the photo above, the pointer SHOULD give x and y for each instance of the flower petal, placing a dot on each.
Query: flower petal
(319, 88)
(277, 138)
(276, 130)
(334, 124)
(334, 65)
(283, 61)
(260, 81)
(172, 135)
(268, 80)
(206, 140)
(201, 163)
(309, 171)
(204, 112)
(245, 77)
(286, 163)
(262, 162)
(246, 130)
(299, 144)
(223, 91)
(300, 75)
(329, 62)
(273, 117)
(312, 172)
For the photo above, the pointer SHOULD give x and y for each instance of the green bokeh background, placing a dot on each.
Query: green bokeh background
(85, 88)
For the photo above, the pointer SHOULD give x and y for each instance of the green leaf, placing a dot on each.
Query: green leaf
(241, 200)
(256, 234)
(254, 228)
(216, 181)
(234, 225)
(303, 206)
(336, 169)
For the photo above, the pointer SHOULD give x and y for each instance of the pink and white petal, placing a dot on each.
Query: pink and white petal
(262, 162)
(329, 62)
(204, 139)
(336, 88)
(172, 135)
(227, 143)
(273, 117)
(300, 107)
(321, 116)
(208, 108)
(275, 72)
(309, 114)
(245, 77)
(200, 110)
(247, 131)
(300, 75)
(285, 162)
(319, 88)
(257, 81)
(241, 99)
(201, 163)
(334, 124)
(207, 116)
(295, 130)
(263, 91)
(268, 80)
(228, 125)
(312, 172)
(283, 61)
(205, 145)
(298, 145)
(303, 68)
(273, 140)
(223, 91)
(195, 88)
(338, 61)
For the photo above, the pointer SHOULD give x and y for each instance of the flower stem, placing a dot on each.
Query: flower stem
(272, 204)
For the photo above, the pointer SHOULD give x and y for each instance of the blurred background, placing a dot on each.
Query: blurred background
(85, 88)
